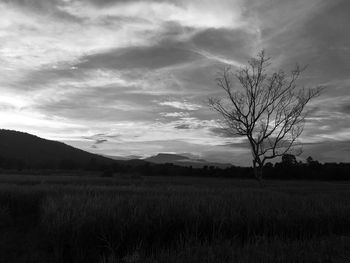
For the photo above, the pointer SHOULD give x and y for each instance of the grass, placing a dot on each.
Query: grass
(177, 219)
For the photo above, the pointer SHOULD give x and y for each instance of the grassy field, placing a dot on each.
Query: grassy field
(177, 219)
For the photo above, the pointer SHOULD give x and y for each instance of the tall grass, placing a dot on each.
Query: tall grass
(119, 221)
(5, 218)
(74, 219)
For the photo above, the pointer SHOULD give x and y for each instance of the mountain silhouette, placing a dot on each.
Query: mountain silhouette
(182, 160)
(37, 152)
(19, 149)
(166, 158)
(123, 158)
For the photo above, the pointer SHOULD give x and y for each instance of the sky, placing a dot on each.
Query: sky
(122, 77)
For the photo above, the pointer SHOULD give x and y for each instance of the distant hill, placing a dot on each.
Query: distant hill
(181, 160)
(34, 151)
(19, 149)
(123, 158)
(166, 158)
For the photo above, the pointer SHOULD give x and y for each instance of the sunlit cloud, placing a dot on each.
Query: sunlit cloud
(175, 114)
(199, 14)
(182, 105)
(220, 59)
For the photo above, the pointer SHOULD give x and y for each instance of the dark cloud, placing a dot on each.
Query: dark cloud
(346, 108)
(106, 103)
(43, 77)
(6, 107)
(101, 137)
(112, 136)
(104, 3)
(35, 4)
(100, 141)
(171, 31)
(222, 132)
(109, 3)
(199, 78)
(244, 144)
(318, 40)
(328, 151)
(51, 8)
(334, 108)
(183, 127)
(79, 110)
(152, 57)
(94, 136)
(229, 43)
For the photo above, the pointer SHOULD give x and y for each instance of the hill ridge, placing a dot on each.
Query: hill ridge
(36, 151)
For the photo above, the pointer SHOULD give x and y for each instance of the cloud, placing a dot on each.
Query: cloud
(148, 57)
(101, 141)
(328, 119)
(230, 46)
(199, 14)
(328, 151)
(182, 105)
(183, 126)
(345, 108)
(175, 114)
(141, 71)
(309, 33)
(34, 38)
(222, 132)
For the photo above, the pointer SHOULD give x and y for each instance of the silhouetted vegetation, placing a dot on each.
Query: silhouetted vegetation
(173, 219)
(288, 168)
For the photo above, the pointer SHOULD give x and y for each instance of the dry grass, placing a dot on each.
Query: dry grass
(177, 220)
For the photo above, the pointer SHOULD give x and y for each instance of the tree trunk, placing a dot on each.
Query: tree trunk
(258, 173)
(260, 176)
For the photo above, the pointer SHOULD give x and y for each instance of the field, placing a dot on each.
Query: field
(171, 219)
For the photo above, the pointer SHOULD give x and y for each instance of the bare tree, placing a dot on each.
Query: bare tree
(266, 107)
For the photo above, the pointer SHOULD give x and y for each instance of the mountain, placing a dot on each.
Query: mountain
(123, 158)
(182, 160)
(33, 151)
(19, 149)
(166, 158)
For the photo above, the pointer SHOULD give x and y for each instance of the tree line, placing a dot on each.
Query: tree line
(287, 169)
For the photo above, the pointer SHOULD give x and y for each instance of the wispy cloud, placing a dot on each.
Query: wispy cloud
(175, 114)
(182, 105)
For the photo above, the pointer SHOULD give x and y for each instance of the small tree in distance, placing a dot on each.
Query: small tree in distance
(267, 108)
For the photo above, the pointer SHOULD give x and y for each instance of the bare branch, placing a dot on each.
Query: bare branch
(266, 107)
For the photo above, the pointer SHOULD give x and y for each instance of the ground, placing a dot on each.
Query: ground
(130, 218)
